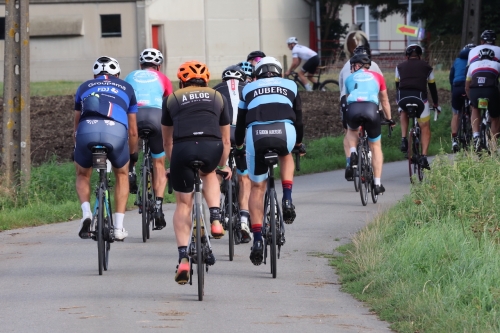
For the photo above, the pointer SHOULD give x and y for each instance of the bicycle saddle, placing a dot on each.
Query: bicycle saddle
(196, 164)
(271, 158)
(413, 105)
(145, 133)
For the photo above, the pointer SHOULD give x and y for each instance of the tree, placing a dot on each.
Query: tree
(332, 29)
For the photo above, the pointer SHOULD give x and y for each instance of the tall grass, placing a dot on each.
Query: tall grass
(432, 262)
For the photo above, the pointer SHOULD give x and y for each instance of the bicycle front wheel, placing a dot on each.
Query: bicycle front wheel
(199, 250)
(272, 217)
(329, 85)
(100, 229)
(363, 176)
(145, 202)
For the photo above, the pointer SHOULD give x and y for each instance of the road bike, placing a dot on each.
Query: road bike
(230, 210)
(485, 128)
(102, 228)
(327, 85)
(465, 127)
(273, 230)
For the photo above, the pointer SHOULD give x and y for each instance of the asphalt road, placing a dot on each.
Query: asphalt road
(49, 280)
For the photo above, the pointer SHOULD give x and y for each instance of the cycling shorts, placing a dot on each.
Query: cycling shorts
(150, 119)
(241, 163)
(366, 114)
(94, 131)
(311, 65)
(263, 136)
(426, 114)
(184, 152)
(343, 110)
(493, 96)
(457, 98)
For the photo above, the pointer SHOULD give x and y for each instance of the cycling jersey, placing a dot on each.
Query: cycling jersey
(474, 53)
(110, 98)
(346, 71)
(302, 52)
(364, 85)
(459, 69)
(415, 75)
(483, 73)
(150, 87)
(195, 113)
(232, 91)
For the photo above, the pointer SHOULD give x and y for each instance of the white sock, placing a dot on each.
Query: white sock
(86, 209)
(475, 134)
(377, 181)
(119, 220)
(353, 149)
(308, 87)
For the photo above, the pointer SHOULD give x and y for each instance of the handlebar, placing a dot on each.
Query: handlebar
(224, 174)
(388, 123)
(297, 151)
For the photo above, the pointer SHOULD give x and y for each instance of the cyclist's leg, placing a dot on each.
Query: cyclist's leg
(494, 111)
(245, 187)
(159, 178)
(475, 119)
(343, 117)
(373, 130)
(310, 67)
(425, 128)
(457, 101)
(355, 115)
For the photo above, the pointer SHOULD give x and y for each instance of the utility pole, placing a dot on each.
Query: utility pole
(470, 27)
(16, 159)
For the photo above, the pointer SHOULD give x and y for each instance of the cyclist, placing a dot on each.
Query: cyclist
(412, 78)
(255, 56)
(195, 125)
(343, 75)
(488, 38)
(247, 68)
(150, 87)
(105, 114)
(269, 105)
(482, 82)
(231, 87)
(365, 89)
(457, 82)
(311, 62)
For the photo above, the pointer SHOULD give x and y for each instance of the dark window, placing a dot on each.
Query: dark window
(111, 25)
(2, 28)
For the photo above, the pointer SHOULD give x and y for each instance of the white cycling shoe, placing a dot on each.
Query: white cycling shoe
(120, 234)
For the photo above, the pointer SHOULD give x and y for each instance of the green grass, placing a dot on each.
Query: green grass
(432, 262)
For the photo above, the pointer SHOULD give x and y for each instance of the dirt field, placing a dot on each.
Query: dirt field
(52, 121)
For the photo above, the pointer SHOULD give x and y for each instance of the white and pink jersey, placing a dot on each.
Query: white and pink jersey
(474, 53)
(483, 73)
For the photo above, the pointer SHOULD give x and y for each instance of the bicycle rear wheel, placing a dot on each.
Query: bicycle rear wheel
(329, 85)
(229, 212)
(145, 202)
(199, 250)
(272, 216)
(109, 229)
(100, 229)
(363, 176)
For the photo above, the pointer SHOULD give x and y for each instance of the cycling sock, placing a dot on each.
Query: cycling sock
(308, 87)
(119, 220)
(287, 189)
(257, 232)
(214, 214)
(159, 202)
(86, 208)
(131, 168)
(475, 134)
(244, 215)
(377, 181)
(454, 135)
(352, 149)
(348, 160)
(182, 252)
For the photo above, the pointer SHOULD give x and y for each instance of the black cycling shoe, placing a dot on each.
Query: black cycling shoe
(354, 159)
(132, 182)
(404, 145)
(379, 189)
(210, 259)
(455, 146)
(349, 174)
(257, 253)
(159, 218)
(84, 232)
(288, 211)
(423, 162)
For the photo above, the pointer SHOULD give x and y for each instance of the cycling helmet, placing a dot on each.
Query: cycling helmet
(106, 65)
(489, 36)
(486, 54)
(233, 72)
(255, 54)
(360, 58)
(362, 50)
(413, 48)
(193, 70)
(246, 67)
(469, 46)
(152, 56)
(268, 67)
(292, 40)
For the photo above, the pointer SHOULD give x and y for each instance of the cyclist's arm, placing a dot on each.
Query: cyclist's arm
(432, 88)
(384, 101)
(299, 126)
(224, 122)
(293, 66)
(452, 75)
(132, 132)
(396, 78)
(468, 79)
(167, 128)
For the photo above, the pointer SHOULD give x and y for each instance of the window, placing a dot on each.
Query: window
(111, 25)
(369, 24)
(2, 28)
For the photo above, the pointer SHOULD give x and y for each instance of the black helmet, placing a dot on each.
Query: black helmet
(489, 36)
(486, 54)
(255, 54)
(469, 46)
(360, 58)
(233, 72)
(413, 48)
(362, 50)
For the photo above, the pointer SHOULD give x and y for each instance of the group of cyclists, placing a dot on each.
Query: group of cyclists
(254, 109)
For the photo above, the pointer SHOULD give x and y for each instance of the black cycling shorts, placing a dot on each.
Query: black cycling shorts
(343, 110)
(184, 152)
(311, 65)
(457, 97)
(104, 132)
(150, 119)
(493, 96)
(364, 113)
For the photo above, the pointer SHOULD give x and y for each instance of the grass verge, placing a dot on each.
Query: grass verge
(432, 262)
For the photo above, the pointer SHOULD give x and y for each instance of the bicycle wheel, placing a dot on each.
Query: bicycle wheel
(329, 85)
(145, 202)
(100, 229)
(467, 130)
(272, 216)
(485, 134)
(417, 146)
(413, 166)
(355, 174)
(108, 228)
(199, 251)
(229, 212)
(236, 211)
(280, 226)
(371, 181)
(363, 176)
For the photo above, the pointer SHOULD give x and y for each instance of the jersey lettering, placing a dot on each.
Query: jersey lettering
(270, 90)
(481, 80)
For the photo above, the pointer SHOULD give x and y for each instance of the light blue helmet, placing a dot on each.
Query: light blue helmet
(247, 68)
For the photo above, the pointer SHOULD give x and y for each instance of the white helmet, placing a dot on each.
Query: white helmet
(106, 65)
(152, 56)
(268, 65)
(292, 40)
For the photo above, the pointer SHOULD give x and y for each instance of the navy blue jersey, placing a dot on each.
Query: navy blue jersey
(106, 96)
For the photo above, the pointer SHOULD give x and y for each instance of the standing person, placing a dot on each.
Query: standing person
(412, 78)
(255, 56)
(150, 87)
(105, 114)
(343, 75)
(311, 62)
(269, 105)
(365, 89)
(458, 72)
(195, 125)
(231, 87)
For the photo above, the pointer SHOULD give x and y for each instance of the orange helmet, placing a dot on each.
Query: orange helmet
(193, 70)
